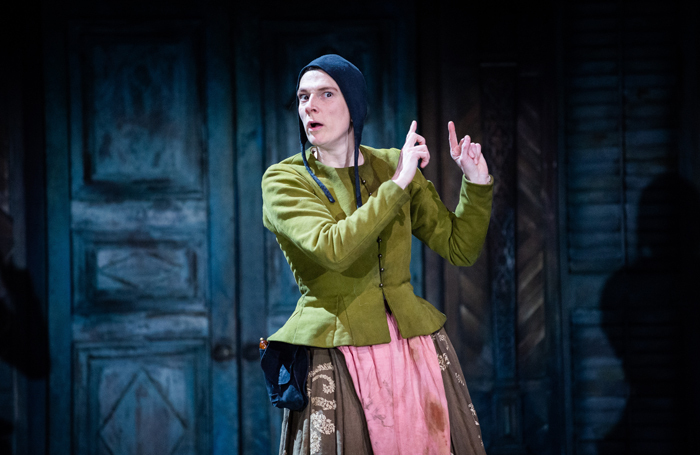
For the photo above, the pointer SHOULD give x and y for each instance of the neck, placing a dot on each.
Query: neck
(342, 155)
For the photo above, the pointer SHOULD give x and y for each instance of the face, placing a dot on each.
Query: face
(323, 112)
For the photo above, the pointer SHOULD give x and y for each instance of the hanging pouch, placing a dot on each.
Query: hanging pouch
(286, 367)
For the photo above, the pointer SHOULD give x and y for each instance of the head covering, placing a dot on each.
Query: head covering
(352, 84)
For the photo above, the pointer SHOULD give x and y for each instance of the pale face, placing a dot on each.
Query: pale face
(324, 113)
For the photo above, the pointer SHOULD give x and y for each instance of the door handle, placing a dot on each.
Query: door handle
(223, 352)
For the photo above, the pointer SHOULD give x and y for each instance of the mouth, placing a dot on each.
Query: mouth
(312, 126)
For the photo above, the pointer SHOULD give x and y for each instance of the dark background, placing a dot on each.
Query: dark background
(577, 328)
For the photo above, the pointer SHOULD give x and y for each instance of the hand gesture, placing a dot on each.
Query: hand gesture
(414, 151)
(468, 157)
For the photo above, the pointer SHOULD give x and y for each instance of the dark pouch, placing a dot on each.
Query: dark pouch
(286, 367)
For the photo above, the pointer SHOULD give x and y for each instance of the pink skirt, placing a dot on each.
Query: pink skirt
(399, 385)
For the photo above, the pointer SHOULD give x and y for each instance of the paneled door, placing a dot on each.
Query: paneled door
(140, 190)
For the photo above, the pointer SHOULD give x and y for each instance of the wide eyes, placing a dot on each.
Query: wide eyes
(303, 97)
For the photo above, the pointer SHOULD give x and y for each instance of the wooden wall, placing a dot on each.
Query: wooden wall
(629, 237)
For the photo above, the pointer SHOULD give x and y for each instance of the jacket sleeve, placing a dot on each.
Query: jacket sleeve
(459, 236)
(292, 209)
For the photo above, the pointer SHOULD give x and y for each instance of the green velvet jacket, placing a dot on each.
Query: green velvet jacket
(347, 262)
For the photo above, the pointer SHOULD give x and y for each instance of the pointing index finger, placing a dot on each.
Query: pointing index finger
(412, 129)
(452, 135)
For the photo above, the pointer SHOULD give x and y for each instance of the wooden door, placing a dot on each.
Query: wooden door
(140, 191)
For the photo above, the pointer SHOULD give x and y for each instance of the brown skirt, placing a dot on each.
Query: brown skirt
(334, 421)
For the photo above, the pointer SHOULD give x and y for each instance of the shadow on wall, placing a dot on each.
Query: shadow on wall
(23, 334)
(650, 317)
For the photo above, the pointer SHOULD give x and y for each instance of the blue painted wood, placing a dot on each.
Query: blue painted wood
(136, 128)
(223, 247)
(145, 217)
(118, 272)
(136, 115)
(58, 234)
(256, 436)
(148, 398)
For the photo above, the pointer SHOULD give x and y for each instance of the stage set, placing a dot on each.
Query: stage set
(137, 277)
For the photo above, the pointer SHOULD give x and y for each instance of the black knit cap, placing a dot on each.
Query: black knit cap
(352, 84)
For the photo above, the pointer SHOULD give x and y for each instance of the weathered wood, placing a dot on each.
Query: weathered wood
(222, 233)
(149, 398)
(135, 110)
(150, 231)
(58, 232)
(139, 326)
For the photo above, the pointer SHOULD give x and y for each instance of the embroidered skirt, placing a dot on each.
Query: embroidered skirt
(335, 420)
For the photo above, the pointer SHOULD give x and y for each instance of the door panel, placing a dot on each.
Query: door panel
(136, 114)
(141, 398)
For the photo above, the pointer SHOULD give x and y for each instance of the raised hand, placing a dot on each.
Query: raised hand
(468, 157)
(413, 151)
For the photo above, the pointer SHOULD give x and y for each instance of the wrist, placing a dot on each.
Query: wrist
(480, 179)
(400, 182)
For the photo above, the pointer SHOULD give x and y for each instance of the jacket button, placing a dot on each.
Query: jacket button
(370, 193)
(365, 181)
(379, 255)
(382, 269)
(379, 239)
(381, 285)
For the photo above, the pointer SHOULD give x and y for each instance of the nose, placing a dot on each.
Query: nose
(310, 104)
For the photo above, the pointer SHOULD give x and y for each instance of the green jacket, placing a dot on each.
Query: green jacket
(347, 262)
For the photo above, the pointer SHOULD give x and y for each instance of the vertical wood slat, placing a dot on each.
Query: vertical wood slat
(499, 115)
(58, 233)
(498, 91)
(224, 393)
(258, 422)
(531, 222)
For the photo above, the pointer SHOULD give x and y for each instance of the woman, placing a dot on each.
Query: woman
(383, 376)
